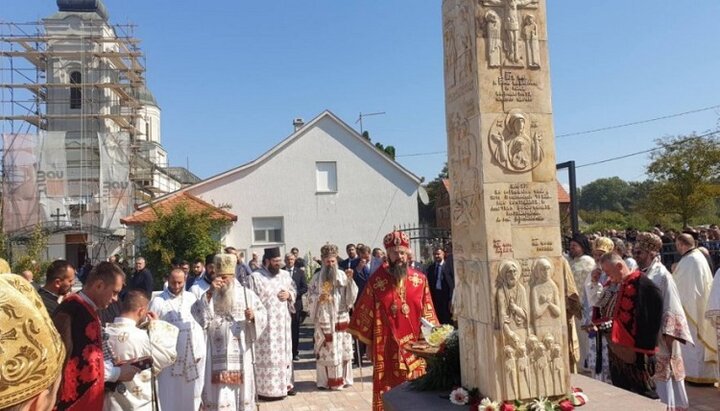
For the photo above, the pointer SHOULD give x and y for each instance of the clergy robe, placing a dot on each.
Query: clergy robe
(127, 343)
(229, 378)
(669, 368)
(329, 306)
(273, 355)
(693, 278)
(379, 321)
(81, 385)
(181, 384)
(201, 285)
(636, 312)
(581, 267)
(713, 306)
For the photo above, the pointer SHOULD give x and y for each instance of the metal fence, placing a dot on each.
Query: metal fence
(424, 239)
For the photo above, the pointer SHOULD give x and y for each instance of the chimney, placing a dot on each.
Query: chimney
(298, 122)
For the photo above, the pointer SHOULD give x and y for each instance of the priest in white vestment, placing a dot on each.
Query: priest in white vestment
(202, 284)
(694, 279)
(669, 367)
(180, 385)
(712, 312)
(276, 290)
(128, 343)
(582, 264)
(331, 295)
(232, 316)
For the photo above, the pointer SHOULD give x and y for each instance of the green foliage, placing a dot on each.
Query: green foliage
(601, 220)
(433, 188)
(388, 150)
(611, 194)
(34, 257)
(443, 370)
(179, 233)
(685, 171)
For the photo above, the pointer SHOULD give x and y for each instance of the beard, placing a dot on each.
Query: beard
(273, 270)
(329, 273)
(398, 270)
(224, 299)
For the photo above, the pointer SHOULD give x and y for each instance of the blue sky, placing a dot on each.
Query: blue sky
(231, 75)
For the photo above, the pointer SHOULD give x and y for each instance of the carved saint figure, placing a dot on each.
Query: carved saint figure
(494, 39)
(540, 365)
(532, 42)
(511, 303)
(512, 24)
(525, 386)
(450, 54)
(556, 366)
(511, 146)
(510, 372)
(544, 298)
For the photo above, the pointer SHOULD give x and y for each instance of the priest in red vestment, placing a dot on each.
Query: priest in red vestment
(387, 316)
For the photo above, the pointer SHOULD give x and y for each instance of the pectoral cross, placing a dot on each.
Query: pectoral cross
(57, 216)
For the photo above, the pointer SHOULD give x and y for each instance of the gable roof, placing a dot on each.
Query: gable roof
(294, 136)
(146, 213)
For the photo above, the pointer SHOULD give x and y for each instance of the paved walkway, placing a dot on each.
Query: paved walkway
(310, 398)
(359, 396)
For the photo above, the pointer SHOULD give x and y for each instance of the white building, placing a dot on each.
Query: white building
(323, 183)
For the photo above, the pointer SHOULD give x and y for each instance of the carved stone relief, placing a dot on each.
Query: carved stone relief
(532, 358)
(513, 147)
(504, 35)
(459, 41)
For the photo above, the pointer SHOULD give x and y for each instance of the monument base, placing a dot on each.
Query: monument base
(601, 397)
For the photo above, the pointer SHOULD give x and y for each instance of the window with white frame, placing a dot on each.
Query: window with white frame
(326, 176)
(267, 230)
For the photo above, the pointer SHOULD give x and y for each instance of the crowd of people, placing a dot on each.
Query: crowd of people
(221, 335)
(640, 327)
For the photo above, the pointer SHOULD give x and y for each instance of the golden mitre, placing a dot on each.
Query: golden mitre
(225, 264)
(31, 351)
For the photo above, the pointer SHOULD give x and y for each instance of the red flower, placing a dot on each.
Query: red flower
(92, 331)
(566, 405)
(89, 373)
(507, 406)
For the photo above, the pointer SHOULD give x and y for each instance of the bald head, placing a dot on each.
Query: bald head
(684, 242)
(176, 281)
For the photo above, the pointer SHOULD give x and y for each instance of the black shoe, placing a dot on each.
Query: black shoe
(296, 358)
(292, 392)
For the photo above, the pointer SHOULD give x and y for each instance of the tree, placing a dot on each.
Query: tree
(606, 194)
(685, 171)
(35, 253)
(179, 233)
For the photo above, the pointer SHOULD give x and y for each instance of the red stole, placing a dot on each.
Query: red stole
(83, 379)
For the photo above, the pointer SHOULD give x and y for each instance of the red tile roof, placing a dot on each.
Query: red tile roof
(563, 196)
(194, 204)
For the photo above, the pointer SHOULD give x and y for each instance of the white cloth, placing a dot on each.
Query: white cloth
(631, 263)
(229, 378)
(581, 268)
(182, 383)
(713, 307)
(329, 306)
(693, 278)
(199, 287)
(273, 356)
(128, 343)
(669, 367)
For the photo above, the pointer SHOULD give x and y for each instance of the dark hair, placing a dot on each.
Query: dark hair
(347, 247)
(106, 272)
(209, 259)
(362, 249)
(198, 260)
(133, 300)
(56, 270)
(230, 250)
(176, 261)
(583, 242)
(294, 249)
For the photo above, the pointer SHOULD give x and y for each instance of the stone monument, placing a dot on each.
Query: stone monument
(509, 298)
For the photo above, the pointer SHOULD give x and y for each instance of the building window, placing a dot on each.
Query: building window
(75, 92)
(267, 230)
(326, 176)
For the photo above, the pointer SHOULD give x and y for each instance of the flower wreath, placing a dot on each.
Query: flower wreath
(462, 396)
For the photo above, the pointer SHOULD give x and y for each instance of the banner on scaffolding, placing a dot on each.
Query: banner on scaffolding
(52, 177)
(21, 207)
(115, 186)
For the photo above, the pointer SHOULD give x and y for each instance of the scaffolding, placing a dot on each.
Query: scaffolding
(34, 99)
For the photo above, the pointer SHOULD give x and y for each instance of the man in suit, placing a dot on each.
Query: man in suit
(298, 276)
(442, 284)
(352, 259)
